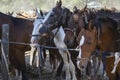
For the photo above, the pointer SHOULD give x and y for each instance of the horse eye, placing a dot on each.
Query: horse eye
(89, 43)
(52, 14)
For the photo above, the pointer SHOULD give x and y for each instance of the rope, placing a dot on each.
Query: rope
(37, 45)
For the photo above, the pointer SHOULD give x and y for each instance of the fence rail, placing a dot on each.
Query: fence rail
(38, 45)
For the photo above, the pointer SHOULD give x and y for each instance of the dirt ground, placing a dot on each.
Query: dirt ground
(47, 73)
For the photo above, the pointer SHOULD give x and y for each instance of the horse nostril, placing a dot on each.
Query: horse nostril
(67, 41)
(33, 41)
(82, 67)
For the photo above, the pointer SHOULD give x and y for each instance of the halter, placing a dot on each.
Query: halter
(37, 35)
(73, 31)
(57, 23)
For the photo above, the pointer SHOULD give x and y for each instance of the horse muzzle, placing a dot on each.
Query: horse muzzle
(82, 63)
(34, 40)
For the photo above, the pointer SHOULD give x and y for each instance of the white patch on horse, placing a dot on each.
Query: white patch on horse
(59, 42)
(117, 60)
(16, 76)
(60, 34)
(82, 40)
(38, 23)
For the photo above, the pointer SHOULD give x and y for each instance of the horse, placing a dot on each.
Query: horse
(106, 40)
(19, 31)
(54, 19)
(73, 29)
(76, 22)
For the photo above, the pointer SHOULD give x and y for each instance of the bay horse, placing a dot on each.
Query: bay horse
(76, 22)
(19, 31)
(54, 19)
(106, 40)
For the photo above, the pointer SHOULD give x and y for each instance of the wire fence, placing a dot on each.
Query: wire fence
(38, 45)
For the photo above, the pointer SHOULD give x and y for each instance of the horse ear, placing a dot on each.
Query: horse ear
(41, 12)
(58, 4)
(37, 12)
(84, 9)
(75, 9)
(75, 17)
(91, 25)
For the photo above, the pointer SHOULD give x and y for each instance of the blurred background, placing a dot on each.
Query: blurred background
(46, 5)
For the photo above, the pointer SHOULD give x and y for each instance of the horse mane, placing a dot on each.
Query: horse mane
(3, 14)
(108, 19)
(106, 10)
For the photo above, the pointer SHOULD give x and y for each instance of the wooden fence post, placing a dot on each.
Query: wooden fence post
(5, 52)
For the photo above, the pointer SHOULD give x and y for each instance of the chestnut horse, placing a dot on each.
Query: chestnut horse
(57, 17)
(76, 22)
(19, 31)
(106, 40)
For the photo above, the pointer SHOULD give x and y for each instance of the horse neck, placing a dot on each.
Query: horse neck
(67, 17)
(108, 39)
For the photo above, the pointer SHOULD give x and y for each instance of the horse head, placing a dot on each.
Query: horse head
(38, 21)
(55, 18)
(87, 43)
(77, 20)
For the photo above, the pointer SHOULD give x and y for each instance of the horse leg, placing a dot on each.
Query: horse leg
(59, 70)
(72, 68)
(118, 72)
(109, 67)
(52, 59)
(74, 57)
(32, 55)
(117, 76)
(66, 64)
(57, 58)
(54, 64)
(64, 55)
(20, 58)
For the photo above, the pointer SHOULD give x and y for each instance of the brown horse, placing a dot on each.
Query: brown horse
(78, 20)
(19, 31)
(106, 40)
(73, 29)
